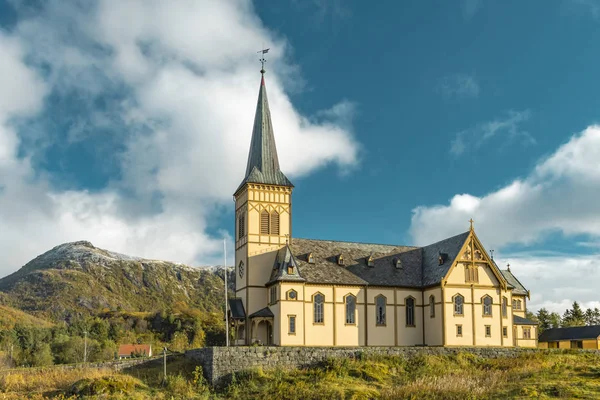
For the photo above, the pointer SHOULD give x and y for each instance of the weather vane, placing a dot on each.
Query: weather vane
(262, 59)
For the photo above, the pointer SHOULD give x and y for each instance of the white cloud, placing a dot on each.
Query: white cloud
(557, 280)
(559, 196)
(509, 128)
(191, 75)
(459, 85)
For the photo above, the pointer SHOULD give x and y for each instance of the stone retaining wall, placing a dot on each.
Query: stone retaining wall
(219, 363)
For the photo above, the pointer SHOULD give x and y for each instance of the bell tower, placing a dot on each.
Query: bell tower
(263, 211)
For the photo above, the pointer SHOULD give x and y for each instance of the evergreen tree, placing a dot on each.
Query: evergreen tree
(543, 318)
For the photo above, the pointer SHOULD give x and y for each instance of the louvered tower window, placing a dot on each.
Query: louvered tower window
(241, 226)
(274, 223)
(264, 222)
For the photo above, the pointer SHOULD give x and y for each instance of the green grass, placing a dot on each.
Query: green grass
(564, 375)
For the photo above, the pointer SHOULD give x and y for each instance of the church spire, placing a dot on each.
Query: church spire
(263, 163)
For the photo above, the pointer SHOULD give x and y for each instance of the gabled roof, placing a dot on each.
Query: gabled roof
(263, 312)
(432, 271)
(523, 321)
(263, 163)
(283, 260)
(572, 333)
(514, 282)
(236, 309)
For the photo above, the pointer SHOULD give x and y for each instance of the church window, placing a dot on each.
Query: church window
(380, 306)
(310, 258)
(290, 270)
(487, 306)
(350, 309)
(264, 222)
(292, 324)
(505, 331)
(292, 294)
(504, 307)
(318, 304)
(431, 306)
(516, 304)
(488, 331)
(273, 294)
(340, 260)
(459, 330)
(459, 301)
(526, 333)
(410, 311)
(241, 225)
(274, 223)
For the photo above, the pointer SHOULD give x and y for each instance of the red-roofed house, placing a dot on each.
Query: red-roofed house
(135, 350)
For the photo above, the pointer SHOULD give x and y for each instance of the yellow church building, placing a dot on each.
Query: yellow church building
(305, 292)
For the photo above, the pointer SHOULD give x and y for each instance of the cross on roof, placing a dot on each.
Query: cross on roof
(471, 221)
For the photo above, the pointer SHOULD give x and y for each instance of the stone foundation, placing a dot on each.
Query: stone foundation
(219, 363)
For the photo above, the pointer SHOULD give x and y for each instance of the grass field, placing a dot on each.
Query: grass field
(565, 375)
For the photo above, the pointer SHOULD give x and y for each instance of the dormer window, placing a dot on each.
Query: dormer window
(290, 270)
(340, 260)
(397, 263)
(370, 261)
(310, 258)
(442, 258)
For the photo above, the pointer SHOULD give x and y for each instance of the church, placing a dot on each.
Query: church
(304, 292)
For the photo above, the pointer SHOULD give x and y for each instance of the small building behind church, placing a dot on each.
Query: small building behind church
(307, 292)
(576, 337)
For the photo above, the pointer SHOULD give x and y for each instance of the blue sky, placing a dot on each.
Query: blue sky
(128, 125)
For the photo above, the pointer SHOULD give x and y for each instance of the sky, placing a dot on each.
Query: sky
(128, 124)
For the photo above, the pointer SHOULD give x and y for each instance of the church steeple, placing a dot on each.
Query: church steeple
(263, 163)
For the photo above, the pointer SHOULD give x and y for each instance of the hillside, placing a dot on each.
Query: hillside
(75, 279)
(10, 316)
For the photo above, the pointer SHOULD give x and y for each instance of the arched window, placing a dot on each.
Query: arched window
(410, 311)
(274, 223)
(432, 306)
(380, 305)
(487, 305)
(241, 225)
(504, 307)
(459, 301)
(351, 309)
(318, 303)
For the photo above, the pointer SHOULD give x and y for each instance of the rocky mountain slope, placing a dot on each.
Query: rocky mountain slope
(80, 279)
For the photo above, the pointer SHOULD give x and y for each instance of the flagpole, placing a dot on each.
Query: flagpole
(225, 275)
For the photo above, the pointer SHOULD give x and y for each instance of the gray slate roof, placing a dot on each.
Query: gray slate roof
(263, 163)
(236, 308)
(432, 271)
(512, 280)
(523, 321)
(419, 265)
(263, 312)
(573, 333)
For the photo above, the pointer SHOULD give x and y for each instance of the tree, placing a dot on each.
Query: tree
(574, 316)
(554, 320)
(543, 318)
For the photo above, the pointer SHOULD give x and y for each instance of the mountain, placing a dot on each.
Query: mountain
(80, 279)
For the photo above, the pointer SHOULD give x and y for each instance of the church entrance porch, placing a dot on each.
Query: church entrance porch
(261, 327)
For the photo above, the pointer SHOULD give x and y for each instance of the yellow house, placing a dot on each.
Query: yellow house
(576, 337)
(304, 292)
